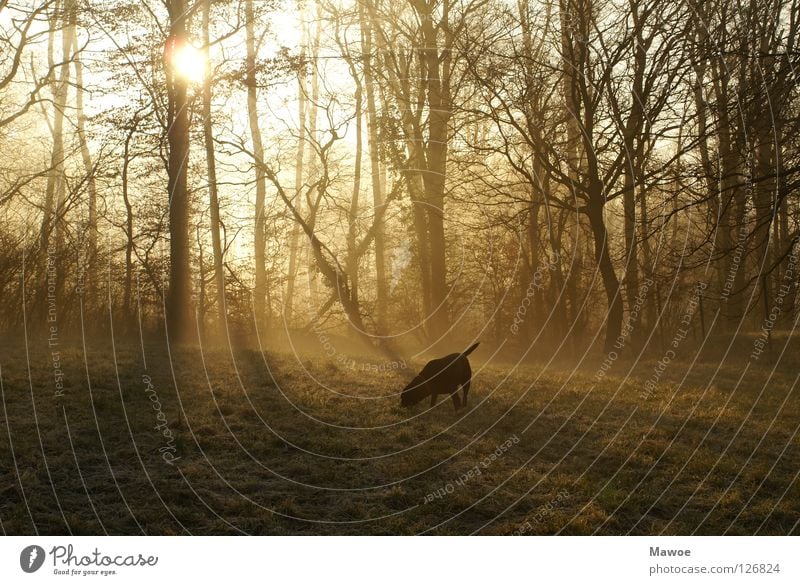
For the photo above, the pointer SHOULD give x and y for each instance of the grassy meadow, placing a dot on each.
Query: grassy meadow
(176, 441)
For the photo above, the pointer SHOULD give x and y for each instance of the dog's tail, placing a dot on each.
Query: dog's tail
(471, 348)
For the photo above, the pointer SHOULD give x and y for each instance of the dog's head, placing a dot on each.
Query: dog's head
(414, 392)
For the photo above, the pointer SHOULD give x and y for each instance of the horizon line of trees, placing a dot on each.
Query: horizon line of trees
(550, 173)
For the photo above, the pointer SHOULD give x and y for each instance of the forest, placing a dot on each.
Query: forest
(264, 216)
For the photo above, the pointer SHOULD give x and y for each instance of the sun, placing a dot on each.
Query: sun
(188, 61)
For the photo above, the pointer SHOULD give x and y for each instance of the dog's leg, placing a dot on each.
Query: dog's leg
(434, 398)
(456, 399)
(465, 390)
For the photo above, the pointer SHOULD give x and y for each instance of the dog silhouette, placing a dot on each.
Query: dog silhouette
(441, 376)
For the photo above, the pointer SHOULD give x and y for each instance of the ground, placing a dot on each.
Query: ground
(261, 443)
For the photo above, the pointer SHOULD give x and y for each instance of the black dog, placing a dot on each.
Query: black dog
(443, 376)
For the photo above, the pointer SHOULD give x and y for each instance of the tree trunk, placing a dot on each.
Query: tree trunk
(260, 227)
(540, 195)
(410, 97)
(201, 292)
(90, 262)
(213, 192)
(129, 233)
(606, 268)
(632, 165)
(352, 220)
(536, 274)
(294, 238)
(381, 276)
(52, 229)
(575, 16)
(179, 303)
(436, 80)
(314, 198)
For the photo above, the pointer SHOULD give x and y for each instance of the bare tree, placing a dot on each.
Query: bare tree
(178, 303)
